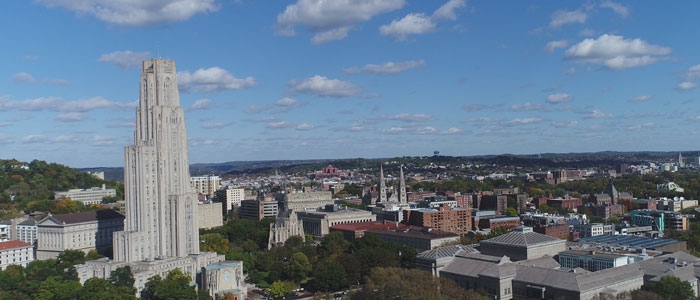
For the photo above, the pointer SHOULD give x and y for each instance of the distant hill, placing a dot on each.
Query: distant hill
(543, 160)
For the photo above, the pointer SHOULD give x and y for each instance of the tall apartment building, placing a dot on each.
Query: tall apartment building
(207, 185)
(230, 197)
(161, 230)
(457, 220)
(86, 196)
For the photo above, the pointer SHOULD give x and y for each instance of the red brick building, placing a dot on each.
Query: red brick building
(458, 220)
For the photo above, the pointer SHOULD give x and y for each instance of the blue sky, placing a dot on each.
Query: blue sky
(264, 80)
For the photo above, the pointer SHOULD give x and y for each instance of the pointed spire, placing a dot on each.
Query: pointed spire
(403, 198)
(382, 186)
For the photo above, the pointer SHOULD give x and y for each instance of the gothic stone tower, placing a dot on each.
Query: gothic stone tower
(161, 207)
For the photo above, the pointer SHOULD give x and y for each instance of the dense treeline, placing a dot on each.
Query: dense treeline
(30, 187)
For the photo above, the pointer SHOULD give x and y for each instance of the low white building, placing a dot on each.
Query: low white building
(15, 253)
(87, 196)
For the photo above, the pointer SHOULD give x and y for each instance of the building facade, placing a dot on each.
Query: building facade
(230, 197)
(458, 220)
(15, 253)
(206, 185)
(82, 231)
(87, 196)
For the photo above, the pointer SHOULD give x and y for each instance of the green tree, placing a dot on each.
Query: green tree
(214, 242)
(176, 285)
(298, 267)
(398, 283)
(674, 288)
(122, 279)
(511, 212)
(279, 289)
(329, 275)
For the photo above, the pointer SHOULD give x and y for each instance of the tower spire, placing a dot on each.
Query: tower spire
(403, 197)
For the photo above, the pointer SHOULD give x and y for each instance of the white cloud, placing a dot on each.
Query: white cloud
(71, 117)
(641, 126)
(136, 13)
(201, 104)
(278, 125)
(447, 10)
(616, 52)
(214, 125)
(304, 127)
(526, 107)
(36, 104)
(92, 104)
(24, 77)
(619, 9)
(453, 130)
(420, 23)
(331, 20)
(410, 24)
(286, 101)
(210, 80)
(426, 130)
(357, 128)
(66, 139)
(559, 124)
(324, 87)
(125, 59)
(395, 130)
(693, 73)
(34, 138)
(523, 121)
(99, 140)
(558, 98)
(597, 114)
(554, 45)
(643, 98)
(478, 107)
(412, 118)
(687, 85)
(386, 68)
(563, 17)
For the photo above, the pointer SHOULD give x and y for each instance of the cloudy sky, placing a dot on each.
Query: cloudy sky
(263, 80)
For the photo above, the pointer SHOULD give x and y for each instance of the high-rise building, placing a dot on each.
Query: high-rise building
(161, 206)
(161, 230)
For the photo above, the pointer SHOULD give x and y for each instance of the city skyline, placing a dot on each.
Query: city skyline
(307, 79)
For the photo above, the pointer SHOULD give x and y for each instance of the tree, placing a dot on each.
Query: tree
(122, 279)
(298, 267)
(398, 283)
(329, 275)
(674, 288)
(176, 285)
(333, 243)
(279, 289)
(511, 212)
(214, 242)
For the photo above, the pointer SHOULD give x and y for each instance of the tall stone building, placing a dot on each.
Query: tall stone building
(161, 206)
(161, 226)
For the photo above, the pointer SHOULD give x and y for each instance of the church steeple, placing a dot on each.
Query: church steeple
(403, 197)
